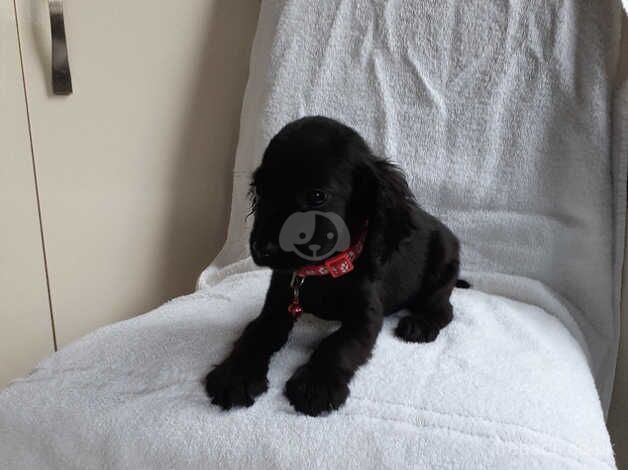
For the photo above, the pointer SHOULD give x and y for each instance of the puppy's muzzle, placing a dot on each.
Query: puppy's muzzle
(264, 251)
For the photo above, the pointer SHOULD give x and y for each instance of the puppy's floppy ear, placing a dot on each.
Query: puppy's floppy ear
(384, 198)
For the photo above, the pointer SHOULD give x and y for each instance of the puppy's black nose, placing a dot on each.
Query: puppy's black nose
(266, 250)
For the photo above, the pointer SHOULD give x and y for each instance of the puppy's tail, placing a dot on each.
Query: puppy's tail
(462, 284)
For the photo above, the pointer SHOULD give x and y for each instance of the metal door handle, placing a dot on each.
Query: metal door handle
(61, 78)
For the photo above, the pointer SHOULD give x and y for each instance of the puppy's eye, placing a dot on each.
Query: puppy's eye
(316, 197)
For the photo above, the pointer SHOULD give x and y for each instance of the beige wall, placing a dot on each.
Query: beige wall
(25, 329)
(134, 168)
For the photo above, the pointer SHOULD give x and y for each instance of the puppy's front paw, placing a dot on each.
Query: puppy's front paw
(415, 331)
(231, 385)
(315, 392)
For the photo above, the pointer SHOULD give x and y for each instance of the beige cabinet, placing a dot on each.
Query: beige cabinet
(25, 322)
(133, 168)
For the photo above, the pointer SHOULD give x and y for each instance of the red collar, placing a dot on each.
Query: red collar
(336, 266)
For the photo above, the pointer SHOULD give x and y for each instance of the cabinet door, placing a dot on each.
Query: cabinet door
(25, 324)
(134, 167)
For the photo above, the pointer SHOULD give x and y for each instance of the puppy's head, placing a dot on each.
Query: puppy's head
(317, 185)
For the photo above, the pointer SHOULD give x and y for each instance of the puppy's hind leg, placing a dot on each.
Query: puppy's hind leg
(431, 310)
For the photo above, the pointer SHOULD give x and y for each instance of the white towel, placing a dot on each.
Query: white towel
(499, 112)
(504, 386)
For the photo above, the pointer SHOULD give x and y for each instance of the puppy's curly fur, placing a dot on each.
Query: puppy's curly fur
(410, 261)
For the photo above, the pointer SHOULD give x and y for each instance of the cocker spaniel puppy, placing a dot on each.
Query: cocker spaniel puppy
(346, 241)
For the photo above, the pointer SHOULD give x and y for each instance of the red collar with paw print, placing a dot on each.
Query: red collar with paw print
(336, 266)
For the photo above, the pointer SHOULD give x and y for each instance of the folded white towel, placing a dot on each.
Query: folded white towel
(504, 386)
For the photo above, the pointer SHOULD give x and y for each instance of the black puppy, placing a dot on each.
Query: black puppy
(402, 257)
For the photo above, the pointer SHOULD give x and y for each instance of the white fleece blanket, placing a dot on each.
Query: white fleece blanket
(500, 114)
(504, 386)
